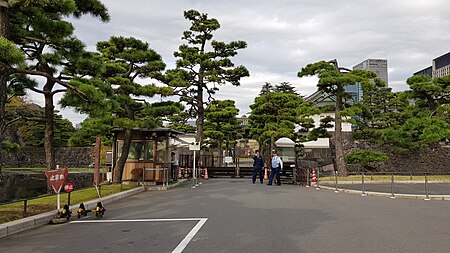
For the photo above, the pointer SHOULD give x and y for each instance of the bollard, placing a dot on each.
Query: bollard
(308, 180)
(318, 176)
(427, 197)
(392, 187)
(363, 187)
(336, 182)
(25, 204)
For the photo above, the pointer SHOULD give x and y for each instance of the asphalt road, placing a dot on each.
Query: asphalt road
(242, 217)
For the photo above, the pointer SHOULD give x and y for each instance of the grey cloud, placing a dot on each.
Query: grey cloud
(285, 35)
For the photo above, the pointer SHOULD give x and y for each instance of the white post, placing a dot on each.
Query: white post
(58, 201)
(193, 173)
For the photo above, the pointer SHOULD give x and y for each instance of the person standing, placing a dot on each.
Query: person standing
(257, 166)
(277, 164)
(174, 166)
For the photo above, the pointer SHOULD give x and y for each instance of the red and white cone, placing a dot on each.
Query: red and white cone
(206, 177)
(179, 173)
(266, 177)
(314, 179)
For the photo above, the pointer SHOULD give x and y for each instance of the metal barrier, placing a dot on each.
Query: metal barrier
(165, 174)
(390, 178)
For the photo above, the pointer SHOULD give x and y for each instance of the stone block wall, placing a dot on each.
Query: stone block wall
(35, 157)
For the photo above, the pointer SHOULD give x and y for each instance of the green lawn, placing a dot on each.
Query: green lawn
(14, 211)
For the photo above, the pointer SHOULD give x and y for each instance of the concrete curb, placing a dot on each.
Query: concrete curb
(384, 194)
(17, 226)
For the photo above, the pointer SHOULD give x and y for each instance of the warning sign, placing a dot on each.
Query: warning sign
(56, 178)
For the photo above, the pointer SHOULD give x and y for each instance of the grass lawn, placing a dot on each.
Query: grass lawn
(14, 211)
(386, 178)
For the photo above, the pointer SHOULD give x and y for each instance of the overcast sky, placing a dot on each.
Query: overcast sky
(285, 35)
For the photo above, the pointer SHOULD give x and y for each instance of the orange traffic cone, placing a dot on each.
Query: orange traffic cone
(314, 180)
(186, 173)
(206, 174)
(266, 177)
(179, 173)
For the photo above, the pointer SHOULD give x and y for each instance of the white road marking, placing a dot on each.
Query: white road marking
(137, 220)
(183, 243)
(189, 236)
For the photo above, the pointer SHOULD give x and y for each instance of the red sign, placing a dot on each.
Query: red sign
(56, 178)
(68, 187)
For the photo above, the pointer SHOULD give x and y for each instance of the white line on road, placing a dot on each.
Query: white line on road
(183, 243)
(138, 220)
(189, 236)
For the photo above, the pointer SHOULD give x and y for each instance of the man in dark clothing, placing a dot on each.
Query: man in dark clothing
(257, 166)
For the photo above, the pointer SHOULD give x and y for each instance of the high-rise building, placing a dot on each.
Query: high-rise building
(425, 72)
(378, 66)
(440, 67)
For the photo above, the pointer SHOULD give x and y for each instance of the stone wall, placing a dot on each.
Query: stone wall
(432, 160)
(19, 186)
(35, 157)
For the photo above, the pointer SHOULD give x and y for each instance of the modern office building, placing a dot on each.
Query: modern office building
(425, 72)
(378, 66)
(440, 67)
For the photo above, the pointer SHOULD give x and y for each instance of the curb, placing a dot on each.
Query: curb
(17, 226)
(383, 194)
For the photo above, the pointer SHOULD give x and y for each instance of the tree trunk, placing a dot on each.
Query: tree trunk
(200, 108)
(3, 72)
(49, 127)
(339, 146)
(4, 23)
(118, 170)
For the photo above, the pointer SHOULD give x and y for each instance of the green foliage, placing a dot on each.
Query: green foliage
(365, 157)
(275, 114)
(33, 132)
(9, 146)
(89, 130)
(429, 93)
(417, 133)
(199, 70)
(40, 30)
(221, 126)
(10, 55)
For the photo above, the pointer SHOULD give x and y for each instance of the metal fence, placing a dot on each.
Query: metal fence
(392, 183)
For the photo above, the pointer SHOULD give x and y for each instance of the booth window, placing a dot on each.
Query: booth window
(139, 150)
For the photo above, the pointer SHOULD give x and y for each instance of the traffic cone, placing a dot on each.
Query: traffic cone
(266, 177)
(179, 173)
(186, 175)
(206, 174)
(314, 180)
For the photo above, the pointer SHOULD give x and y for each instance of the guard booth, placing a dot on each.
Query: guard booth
(149, 155)
(285, 148)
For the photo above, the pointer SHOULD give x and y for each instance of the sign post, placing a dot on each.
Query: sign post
(68, 187)
(195, 146)
(56, 179)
